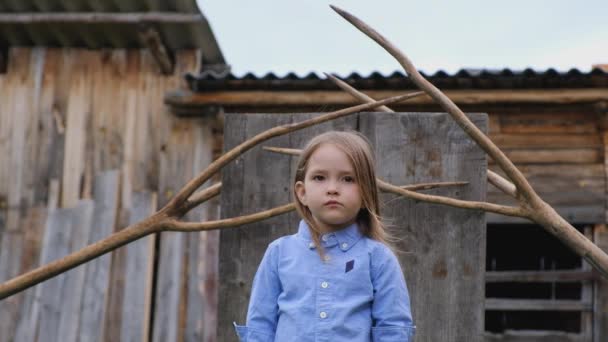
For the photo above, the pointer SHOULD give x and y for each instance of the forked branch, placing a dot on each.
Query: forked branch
(167, 217)
(530, 204)
(494, 178)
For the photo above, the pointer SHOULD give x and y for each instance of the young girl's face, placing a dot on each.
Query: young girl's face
(329, 189)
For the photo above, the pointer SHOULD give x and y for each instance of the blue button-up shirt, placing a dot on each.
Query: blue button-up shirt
(357, 294)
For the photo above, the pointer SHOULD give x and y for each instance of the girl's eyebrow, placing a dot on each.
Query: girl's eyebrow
(342, 172)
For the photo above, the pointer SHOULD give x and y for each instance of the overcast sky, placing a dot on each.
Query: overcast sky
(303, 36)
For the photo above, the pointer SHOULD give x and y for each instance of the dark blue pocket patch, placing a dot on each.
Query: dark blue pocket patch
(349, 265)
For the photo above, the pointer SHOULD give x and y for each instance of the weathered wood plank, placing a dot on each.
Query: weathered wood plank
(175, 169)
(110, 145)
(540, 276)
(537, 304)
(546, 123)
(443, 248)
(33, 228)
(109, 109)
(136, 309)
(57, 300)
(583, 202)
(97, 277)
(73, 286)
(12, 186)
(129, 158)
(78, 110)
(259, 187)
(554, 156)
(48, 141)
(113, 316)
(547, 141)
(202, 252)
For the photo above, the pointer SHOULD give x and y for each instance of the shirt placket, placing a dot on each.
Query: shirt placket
(324, 297)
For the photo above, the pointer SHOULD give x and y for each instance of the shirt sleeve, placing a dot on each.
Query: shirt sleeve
(391, 312)
(262, 313)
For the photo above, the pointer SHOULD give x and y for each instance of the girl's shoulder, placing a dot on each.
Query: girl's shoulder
(379, 252)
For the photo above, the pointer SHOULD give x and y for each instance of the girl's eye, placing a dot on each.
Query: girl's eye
(317, 177)
(349, 179)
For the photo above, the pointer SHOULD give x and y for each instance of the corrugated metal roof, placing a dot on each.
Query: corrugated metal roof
(463, 79)
(182, 35)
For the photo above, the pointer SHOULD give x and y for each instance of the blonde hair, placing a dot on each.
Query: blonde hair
(358, 150)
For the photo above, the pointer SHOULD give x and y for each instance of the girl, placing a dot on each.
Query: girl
(336, 279)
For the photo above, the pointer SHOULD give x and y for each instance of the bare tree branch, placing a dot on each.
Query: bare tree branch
(178, 200)
(179, 226)
(202, 196)
(494, 178)
(502, 184)
(178, 206)
(412, 187)
(530, 203)
(407, 192)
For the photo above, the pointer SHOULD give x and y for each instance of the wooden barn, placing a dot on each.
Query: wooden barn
(108, 108)
(88, 147)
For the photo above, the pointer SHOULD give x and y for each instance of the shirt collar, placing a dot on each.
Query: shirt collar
(345, 237)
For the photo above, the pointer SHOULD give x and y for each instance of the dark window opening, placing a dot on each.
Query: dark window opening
(527, 247)
(533, 320)
(3, 59)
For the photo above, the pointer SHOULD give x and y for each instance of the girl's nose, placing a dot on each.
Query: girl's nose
(332, 188)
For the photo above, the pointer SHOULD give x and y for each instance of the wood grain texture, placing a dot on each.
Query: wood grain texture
(97, 277)
(136, 306)
(582, 202)
(442, 249)
(57, 302)
(263, 180)
(418, 159)
(78, 113)
(176, 167)
(17, 165)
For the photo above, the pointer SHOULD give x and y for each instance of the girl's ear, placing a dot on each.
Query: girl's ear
(300, 192)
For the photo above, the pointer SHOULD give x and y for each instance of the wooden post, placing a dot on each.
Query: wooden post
(600, 300)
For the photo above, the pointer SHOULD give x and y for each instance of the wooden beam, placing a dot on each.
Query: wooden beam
(151, 39)
(539, 276)
(601, 109)
(100, 18)
(536, 305)
(320, 98)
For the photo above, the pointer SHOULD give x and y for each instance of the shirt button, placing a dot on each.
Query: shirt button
(324, 237)
(344, 245)
(323, 314)
(324, 284)
(311, 245)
